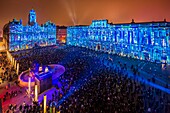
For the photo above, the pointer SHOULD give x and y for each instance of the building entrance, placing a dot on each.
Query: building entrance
(98, 47)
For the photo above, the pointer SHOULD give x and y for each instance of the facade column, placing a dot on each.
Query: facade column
(132, 42)
(29, 85)
(115, 36)
(17, 68)
(149, 37)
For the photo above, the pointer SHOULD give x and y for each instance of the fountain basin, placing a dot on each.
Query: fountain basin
(56, 70)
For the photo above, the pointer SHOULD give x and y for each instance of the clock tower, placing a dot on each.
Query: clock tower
(32, 17)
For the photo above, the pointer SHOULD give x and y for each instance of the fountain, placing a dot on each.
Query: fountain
(42, 76)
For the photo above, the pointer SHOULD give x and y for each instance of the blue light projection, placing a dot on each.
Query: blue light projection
(32, 17)
(25, 37)
(145, 81)
(85, 79)
(146, 41)
(77, 85)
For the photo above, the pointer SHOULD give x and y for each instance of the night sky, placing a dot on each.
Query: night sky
(82, 12)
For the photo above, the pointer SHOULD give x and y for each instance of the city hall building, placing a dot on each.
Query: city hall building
(146, 41)
(19, 37)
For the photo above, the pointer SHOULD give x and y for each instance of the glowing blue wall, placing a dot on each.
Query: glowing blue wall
(25, 37)
(32, 17)
(147, 41)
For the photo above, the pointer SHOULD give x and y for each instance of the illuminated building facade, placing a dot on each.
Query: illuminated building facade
(20, 37)
(61, 34)
(146, 41)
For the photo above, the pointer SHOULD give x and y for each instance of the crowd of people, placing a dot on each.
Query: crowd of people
(94, 82)
(7, 72)
(9, 95)
(106, 89)
(25, 108)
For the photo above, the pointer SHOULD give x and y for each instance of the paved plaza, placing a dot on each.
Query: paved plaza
(147, 70)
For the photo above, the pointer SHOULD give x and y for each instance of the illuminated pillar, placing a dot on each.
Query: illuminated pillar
(15, 64)
(17, 68)
(36, 93)
(45, 101)
(29, 85)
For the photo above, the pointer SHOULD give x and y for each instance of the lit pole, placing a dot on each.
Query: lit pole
(11, 59)
(17, 68)
(29, 85)
(15, 64)
(36, 93)
(45, 101)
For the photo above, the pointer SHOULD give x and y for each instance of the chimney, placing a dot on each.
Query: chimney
(133, 21)
(164, 19)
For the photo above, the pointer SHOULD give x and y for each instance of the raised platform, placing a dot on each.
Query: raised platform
(56, 70)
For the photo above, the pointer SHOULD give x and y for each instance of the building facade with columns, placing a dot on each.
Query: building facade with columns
(146, 41)
(19, 37)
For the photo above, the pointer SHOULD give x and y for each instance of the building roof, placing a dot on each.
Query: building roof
(143, 23)
(163, 23)
(61, 27)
